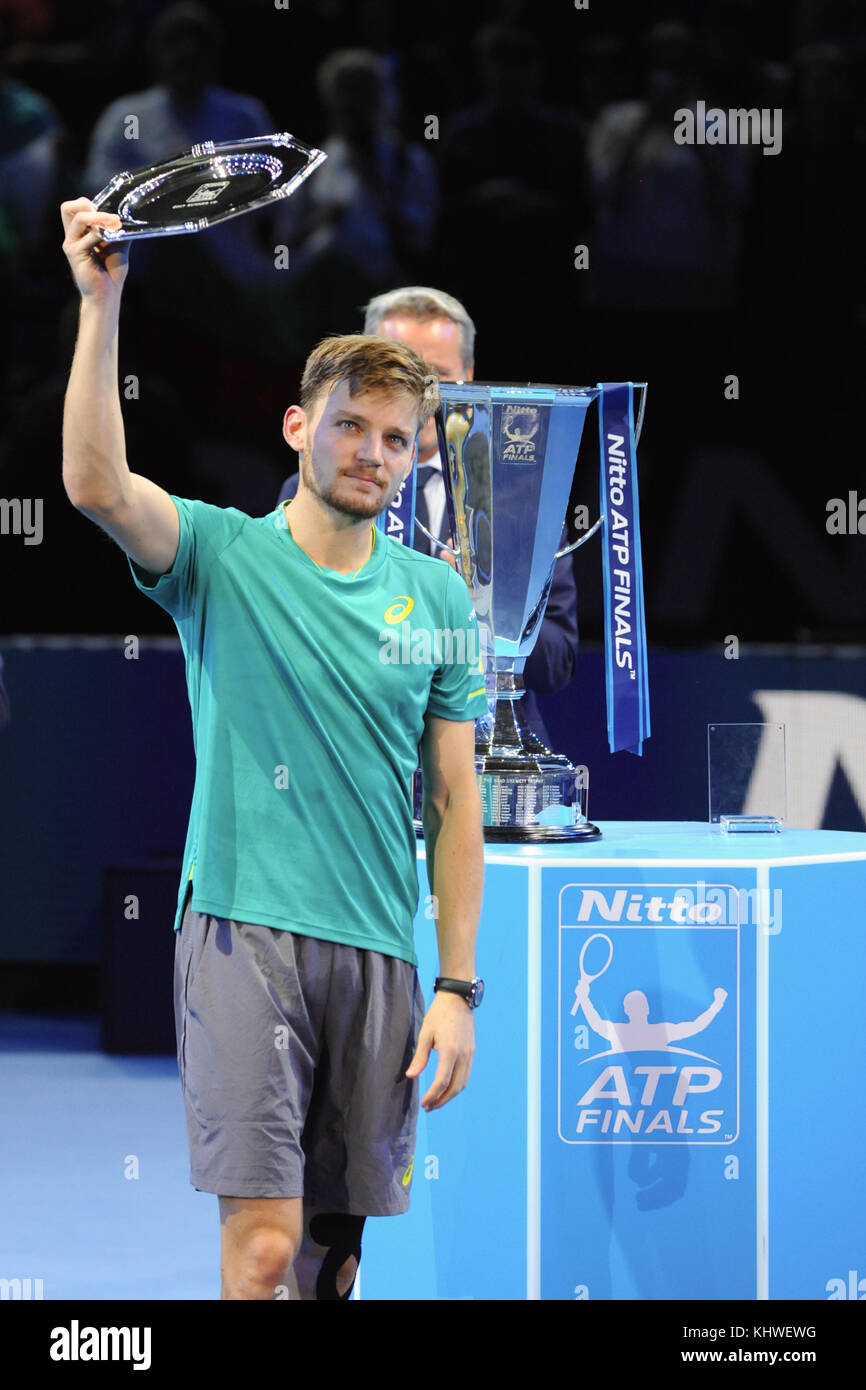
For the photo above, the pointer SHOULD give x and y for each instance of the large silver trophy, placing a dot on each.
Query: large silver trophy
(509, 455)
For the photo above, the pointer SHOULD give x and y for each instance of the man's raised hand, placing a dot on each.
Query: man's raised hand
(98, 267)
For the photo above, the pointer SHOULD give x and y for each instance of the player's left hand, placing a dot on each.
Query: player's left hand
(448, 1029)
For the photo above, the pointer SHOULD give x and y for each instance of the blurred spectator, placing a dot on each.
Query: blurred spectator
(513, 196)
(603, 72)
(77, 53)
(838, 20)
(734, 74)
(668, 217)
(28, 166)
(29, 138)
(666, 247)
(816, 268)
(372, 206)
(185, 107)
(418, 66)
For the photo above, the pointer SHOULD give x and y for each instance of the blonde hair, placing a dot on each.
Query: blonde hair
(369, 364)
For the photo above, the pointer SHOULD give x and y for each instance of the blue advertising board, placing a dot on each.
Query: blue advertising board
(648, 1084)
(665, 1007)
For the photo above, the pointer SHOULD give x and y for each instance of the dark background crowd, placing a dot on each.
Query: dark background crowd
(475, 148)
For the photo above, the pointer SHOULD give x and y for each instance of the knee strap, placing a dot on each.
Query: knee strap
(342, 1235)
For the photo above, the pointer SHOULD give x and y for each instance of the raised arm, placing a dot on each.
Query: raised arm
(135, 512)
(451, 815)
(697, 1025)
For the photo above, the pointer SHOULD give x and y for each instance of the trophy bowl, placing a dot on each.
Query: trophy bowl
(509, 455)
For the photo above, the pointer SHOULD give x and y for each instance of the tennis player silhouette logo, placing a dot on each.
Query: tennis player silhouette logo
(638, 1034)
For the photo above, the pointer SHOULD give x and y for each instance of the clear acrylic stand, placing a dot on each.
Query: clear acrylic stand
(747, 780)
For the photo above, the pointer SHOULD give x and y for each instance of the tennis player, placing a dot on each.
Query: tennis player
(301, 1026)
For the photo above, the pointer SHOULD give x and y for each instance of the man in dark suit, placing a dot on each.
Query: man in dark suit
(440, 330)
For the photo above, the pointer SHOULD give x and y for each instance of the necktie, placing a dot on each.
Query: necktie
(423, 473)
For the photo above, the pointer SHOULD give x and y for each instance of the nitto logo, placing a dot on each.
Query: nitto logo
(639, 907)
(698, 905)
(664, 971)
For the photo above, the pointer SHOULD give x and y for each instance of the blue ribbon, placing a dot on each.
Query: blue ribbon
(398, 520)
(625, 646)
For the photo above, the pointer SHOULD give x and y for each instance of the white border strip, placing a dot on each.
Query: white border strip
(533, 1084)
(762, 1082)
(638, 862)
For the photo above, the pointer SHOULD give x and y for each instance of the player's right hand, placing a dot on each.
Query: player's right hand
(98, 267)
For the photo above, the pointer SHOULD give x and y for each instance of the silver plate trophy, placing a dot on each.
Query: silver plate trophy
(509, 456)
(206, 185)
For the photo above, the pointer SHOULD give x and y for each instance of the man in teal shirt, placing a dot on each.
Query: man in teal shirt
(321, 658)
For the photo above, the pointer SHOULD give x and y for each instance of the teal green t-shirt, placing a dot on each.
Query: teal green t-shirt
(308, 691)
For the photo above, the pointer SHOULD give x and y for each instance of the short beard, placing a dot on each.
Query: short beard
(357, 510)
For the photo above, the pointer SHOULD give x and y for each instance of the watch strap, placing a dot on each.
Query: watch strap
(470, 990)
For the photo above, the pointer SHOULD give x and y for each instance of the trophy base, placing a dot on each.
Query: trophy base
(540, 834)
(531, 835)
(532, 798)
(541, 800)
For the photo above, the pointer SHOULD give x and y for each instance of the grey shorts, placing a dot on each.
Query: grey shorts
(292, 1055)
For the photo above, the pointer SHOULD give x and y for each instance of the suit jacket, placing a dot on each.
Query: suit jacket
(552, 663)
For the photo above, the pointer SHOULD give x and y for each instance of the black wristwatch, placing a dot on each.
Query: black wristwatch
(471, 990)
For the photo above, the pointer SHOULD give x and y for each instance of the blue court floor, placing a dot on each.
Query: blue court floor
(95, 1198)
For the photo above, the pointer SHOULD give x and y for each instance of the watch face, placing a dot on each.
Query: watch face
(477, 992)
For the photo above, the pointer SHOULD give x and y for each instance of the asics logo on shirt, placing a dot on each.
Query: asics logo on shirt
(399, 609)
